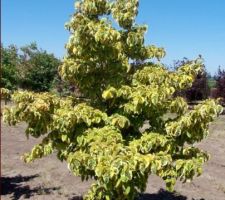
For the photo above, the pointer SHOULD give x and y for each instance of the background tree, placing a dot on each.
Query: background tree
(9, 70)
(220, 85)
(63, 88)
(37, 68)
(200, 89)
(99, 136)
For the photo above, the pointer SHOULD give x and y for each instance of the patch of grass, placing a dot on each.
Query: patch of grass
(211, 83)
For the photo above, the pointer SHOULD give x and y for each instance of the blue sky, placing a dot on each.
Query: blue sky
(185, 28)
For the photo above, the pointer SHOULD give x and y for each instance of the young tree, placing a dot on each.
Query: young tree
(200, 87)
(99, 136)
(37, 68)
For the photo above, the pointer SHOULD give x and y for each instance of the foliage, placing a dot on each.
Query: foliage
(200, 88)
(9, 63)
(5, 93)
(37, 68)
(100, 136)
(220, 85)
(28, 68)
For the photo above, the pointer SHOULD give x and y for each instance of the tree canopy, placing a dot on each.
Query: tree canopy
(37, 68)
(28, 67)
(9, 64)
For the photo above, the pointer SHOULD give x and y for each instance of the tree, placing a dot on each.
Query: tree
(200, 88)
(99, 136)
(9, 71)
(28, 68)
(220, 85)
(37, 68)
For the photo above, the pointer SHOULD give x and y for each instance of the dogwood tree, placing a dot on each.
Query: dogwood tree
(127, 125)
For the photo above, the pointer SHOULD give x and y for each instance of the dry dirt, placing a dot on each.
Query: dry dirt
(49, 179)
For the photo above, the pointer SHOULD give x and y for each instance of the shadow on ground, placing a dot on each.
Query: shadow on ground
(161, 195)
(164, 195)
(15, 186)
(76, 198)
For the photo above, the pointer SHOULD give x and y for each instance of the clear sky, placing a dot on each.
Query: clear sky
(185, 28)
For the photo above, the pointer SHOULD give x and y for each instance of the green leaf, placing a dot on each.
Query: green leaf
(64, 138)
(127, 191)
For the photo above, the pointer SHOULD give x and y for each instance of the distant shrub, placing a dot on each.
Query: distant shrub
(220, 85)
(200, 89)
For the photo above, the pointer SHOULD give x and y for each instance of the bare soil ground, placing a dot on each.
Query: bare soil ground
(50, 179)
